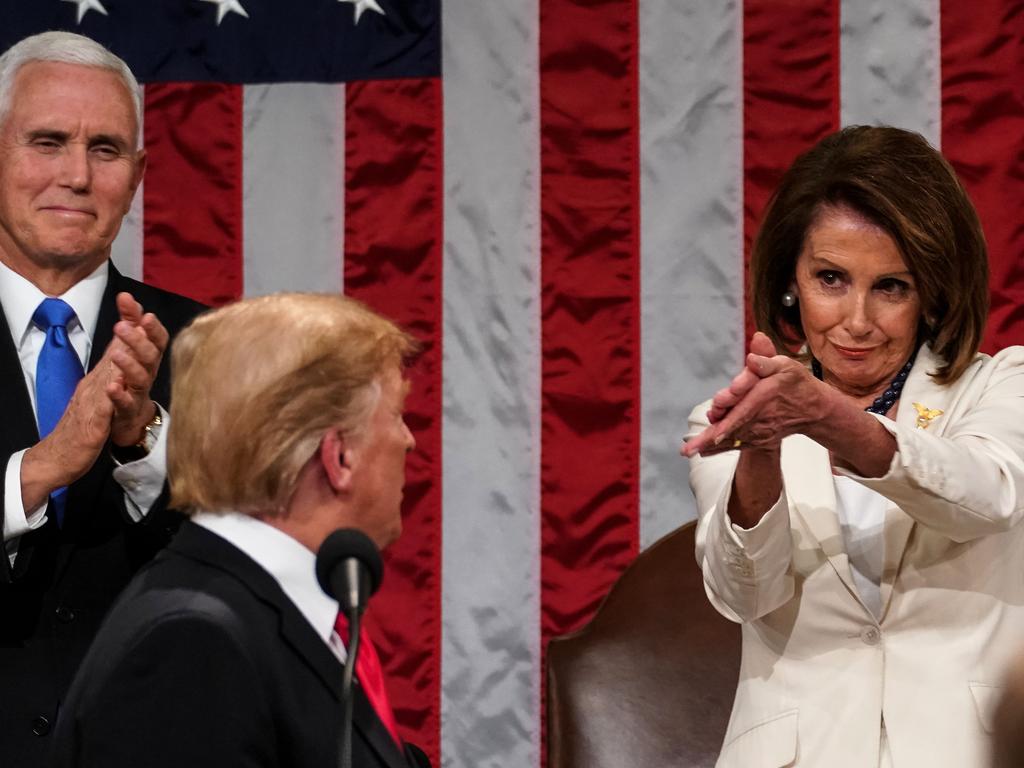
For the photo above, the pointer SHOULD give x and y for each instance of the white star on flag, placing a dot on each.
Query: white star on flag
(84, 6)
(364, 5)
(224, 7)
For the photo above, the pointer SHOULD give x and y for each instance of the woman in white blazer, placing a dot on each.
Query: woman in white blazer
(860, 495)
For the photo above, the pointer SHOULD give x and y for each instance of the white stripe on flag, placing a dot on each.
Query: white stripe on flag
(890, 65)
(126, 250)
(490, 662)
(293, 179)
(691, 235)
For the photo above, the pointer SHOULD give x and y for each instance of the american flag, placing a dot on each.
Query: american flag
(558, 198)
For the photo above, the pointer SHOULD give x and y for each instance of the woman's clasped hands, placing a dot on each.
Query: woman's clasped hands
(774, 396)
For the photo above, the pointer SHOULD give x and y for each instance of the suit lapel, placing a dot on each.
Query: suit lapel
(84, 494)
(20, 429)
(372, 728)
(296, 632)
(196, 542)
(813, 499)
(299, 635)
(107, 317)
(922, 389)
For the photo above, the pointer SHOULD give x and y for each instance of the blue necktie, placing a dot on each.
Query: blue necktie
(57, 374)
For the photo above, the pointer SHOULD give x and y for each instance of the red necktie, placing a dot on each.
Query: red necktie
(370, 675)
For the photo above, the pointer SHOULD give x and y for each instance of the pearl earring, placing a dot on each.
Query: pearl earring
(789, 299)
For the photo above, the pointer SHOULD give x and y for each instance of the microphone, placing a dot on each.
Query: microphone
(349, 569)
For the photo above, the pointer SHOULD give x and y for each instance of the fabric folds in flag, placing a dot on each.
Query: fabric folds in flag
(558, 199)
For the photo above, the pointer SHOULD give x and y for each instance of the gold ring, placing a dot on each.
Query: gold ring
(737, 443)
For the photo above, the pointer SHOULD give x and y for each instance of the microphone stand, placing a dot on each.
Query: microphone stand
(345, 747)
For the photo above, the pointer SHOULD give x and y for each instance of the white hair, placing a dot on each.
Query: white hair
(65, 48)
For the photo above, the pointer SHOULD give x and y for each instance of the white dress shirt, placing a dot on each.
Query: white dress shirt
(291, 565)
(142, 480)
(862, 520)
(861, 513)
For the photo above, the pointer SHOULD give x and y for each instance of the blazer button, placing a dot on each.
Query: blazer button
(40, 726)
(65, 615)
(870, 635)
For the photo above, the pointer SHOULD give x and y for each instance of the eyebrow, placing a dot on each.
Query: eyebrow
(822, 261)
(47, 133)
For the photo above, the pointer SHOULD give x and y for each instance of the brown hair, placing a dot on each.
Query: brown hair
(896, 180)
(256, 384)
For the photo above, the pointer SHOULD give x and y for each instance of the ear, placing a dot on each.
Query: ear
(140, 171)
(336, 460)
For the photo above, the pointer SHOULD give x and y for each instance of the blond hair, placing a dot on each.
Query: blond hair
(256, 384)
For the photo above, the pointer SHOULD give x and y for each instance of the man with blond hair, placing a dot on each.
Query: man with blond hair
(287, 414)
(81, 380)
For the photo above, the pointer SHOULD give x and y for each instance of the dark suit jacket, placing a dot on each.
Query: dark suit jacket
(204, 661)
(64, 580)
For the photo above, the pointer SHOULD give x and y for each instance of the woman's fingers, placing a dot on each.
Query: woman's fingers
(700, 443)
(761, 345)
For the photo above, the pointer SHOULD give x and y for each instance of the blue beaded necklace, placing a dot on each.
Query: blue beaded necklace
(892, 393)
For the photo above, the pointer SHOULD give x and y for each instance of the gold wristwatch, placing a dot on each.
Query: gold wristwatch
(151, 432)
(129, 453)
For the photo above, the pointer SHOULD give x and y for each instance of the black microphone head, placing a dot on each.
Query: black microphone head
(338, 551)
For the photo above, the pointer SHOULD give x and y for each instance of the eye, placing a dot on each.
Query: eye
(46, 144)
(830, 278)
(106, 151)
(893, 287)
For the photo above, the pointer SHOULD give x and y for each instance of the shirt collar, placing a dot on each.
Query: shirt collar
(20, 298)
(289, 562)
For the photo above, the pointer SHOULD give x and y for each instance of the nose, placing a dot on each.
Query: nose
(76, 173)
(410, 441)
(858, 315)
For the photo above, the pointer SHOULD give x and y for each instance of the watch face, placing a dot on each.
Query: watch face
(151, 433)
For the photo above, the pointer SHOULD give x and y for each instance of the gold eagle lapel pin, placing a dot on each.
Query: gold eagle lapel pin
(925, 415)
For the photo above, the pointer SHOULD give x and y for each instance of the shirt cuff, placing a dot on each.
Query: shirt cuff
(143, 480)
(18, 522)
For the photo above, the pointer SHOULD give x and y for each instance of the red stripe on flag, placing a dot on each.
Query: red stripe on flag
(790, 96)
(192, 229)
(393, 236)
(590, 320)
(982, 130)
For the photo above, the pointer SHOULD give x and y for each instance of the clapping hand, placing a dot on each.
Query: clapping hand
(135, 352)
(773, 397)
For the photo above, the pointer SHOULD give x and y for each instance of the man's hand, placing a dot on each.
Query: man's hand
(111, 401)
(71, 448)
(136, 350)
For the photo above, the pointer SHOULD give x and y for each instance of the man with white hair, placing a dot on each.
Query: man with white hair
(81, 346)
(224, 651)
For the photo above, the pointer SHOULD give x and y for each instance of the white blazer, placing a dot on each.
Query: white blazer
(819, 672)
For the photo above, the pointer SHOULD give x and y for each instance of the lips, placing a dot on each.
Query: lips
(67, 210)
(853, 353)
